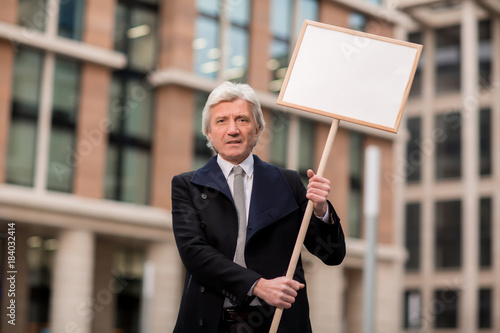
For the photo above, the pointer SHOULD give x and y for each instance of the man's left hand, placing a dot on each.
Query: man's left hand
(317, 191)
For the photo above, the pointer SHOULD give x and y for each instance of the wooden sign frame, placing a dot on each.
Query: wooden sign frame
(350, 75)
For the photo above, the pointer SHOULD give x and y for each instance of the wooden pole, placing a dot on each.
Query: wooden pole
(305, 221)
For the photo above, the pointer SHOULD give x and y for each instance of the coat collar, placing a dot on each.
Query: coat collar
(272, 198)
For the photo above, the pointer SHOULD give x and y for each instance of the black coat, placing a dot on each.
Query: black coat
(205, 226)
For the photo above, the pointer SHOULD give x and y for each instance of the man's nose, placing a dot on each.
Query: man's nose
(232, 128)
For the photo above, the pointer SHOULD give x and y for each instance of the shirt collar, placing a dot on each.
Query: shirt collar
(227, 167)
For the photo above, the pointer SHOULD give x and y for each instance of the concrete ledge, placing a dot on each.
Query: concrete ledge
(63, 46)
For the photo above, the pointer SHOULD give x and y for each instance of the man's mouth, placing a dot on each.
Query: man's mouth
(233, 142)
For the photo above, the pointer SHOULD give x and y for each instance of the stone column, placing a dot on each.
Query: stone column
(468, 299)
(162, 288)
(71, 308)
(325, 289)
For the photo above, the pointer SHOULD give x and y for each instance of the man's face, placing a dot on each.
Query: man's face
(233, 130)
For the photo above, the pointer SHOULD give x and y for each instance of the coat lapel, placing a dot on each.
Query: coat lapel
(210, 175)
(272, 197)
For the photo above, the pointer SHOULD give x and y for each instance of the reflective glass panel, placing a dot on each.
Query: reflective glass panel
(485, 232)
(485, 138)
(71, 18)
(142, 39)
(31, 14)
(414, 151)
(62, 153)
(355, 183)
(138, 110)
(448, 145)
(239, 11)
(448, 59)
(278, 131)
(413, 235)
(306, 147)
(485, 308)
(485, 54)
(448, 237)
(281, 18)
(238, 55)
(209, 7)
(20, 160)
(136, 176)
(207, 52)
(447, 316)
(202, 152)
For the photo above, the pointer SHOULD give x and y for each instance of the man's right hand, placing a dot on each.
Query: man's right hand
(279, 292)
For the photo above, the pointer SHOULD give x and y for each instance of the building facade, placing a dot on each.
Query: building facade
(100, 106)
(451, 166)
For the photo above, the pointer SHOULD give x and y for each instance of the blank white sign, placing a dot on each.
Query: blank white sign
(350, 75)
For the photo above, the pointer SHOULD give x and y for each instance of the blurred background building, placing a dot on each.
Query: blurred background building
(100, 105)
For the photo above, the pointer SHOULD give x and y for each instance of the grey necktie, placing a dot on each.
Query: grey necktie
(239, 201)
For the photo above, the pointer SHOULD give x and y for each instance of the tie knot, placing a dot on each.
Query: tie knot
(238, 171)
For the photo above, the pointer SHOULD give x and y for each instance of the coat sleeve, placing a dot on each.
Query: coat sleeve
(201, 258)
(325, 241)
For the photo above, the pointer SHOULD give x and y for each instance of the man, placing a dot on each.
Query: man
(235, 276)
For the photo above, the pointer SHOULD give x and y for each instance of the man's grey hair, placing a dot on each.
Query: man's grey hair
(228, 92)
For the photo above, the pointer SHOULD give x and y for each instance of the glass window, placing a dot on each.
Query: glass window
(281, 22)
(357, 21)
(22, 133)
(132, 104)
(129, 274)
(485, 310)
(412, 308)
(279, 128)
(445, 308)
(206, 46)
(413, 150)
(485, 231)
(62, 154)
(238, 55)
(40, 265)
(448, 59)
(416, 87)
(201, 152)
(207, 52)
(449, 146)
(355, 184)
(309, 10)
(485, 142)
(129, 148)
(413, 235)
(485, 53)
(31, 14)
(71, 18)
(136, 34)
(448, 237)
(306, 144)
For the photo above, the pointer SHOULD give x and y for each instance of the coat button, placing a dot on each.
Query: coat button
(203, 225)
(204, 196)
(202, 289)
(200, 322)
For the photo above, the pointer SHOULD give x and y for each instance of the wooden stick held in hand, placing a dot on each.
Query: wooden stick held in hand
(305, 221)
